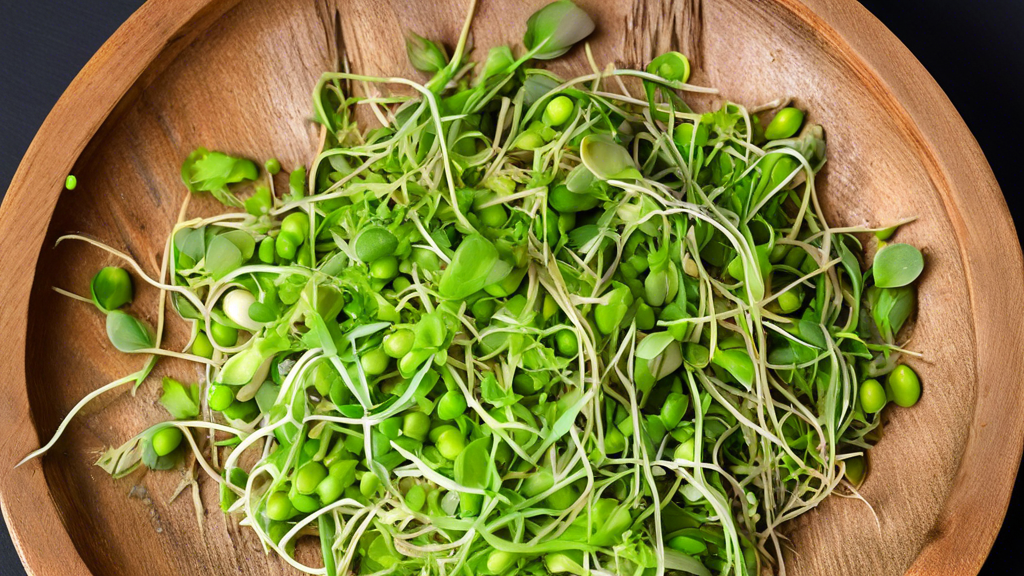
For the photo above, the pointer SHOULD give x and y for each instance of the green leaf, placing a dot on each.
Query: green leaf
(892, 309)
(471, 268)
(553, 29)
(653, 345)
(241, 367)
(205, 171)
(606, 159)
(297, 182)
(260, 312)
(580, 179)
(192, 242)
(242, 240)
(473, 466)
(127, 333)
(897, 265)
(425, 55)
(374, 243)
(499, 59)
(811, 333)
(492, 392)
(696, 355)
(185, 307)
(181, 402)
(259, 203)
(736, 362)
(537, 84)
(223, 257)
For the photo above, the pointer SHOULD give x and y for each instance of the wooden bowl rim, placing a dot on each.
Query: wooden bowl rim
(977, 503)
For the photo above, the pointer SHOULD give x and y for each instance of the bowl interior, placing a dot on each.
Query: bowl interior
(243, 87)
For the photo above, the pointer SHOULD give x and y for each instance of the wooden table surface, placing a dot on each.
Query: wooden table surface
(975, 51)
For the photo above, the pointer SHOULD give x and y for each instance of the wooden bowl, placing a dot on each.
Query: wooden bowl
(236, 76)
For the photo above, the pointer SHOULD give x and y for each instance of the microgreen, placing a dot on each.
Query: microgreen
(525, 325)
(206, 171)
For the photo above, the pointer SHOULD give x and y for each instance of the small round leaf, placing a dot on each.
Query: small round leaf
(897, 265)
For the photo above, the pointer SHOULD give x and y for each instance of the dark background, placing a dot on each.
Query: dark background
(974, 49)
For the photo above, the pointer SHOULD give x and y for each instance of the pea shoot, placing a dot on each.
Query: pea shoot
(528, 325)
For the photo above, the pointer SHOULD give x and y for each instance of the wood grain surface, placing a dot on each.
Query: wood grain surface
(236, 76)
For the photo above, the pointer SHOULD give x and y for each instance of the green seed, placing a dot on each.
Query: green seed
(683, 134)
(305, 256)
(566, 343)
(391, 428)
(71, 182)
(687, 545)
(296, 225)
(493, 216)
(375, 362)
(673, 409)
(645, 319)
(416, 425)
(245, 411)
(415, 498)
(684, 451)
(451, 405)
(202, 346)
(286, 247)
(529, 141)
(451, 443)
(330, 489)
(224, 336)
(499, 561)
(368, 484)
(785, 124)
(905, 386)
(166, 440)
(789, 301)
(267, 250)
(384, 268)
(856, 468)
(303, 502)
(398, 343)
(344, 471)
(220, 397)
(549, 308)
(111, 288)
(279, 507)
(564, 497)
(609, 316)
(309, 476)
(400, 284)
(272, 166)
(872, 396)
(614, 441)
(426, 260)
(483, 309)
(558, 111)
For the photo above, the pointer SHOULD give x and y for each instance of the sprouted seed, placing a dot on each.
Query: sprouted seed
(523, 325)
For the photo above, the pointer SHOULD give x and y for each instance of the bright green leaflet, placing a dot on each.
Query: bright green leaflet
(897, 265)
